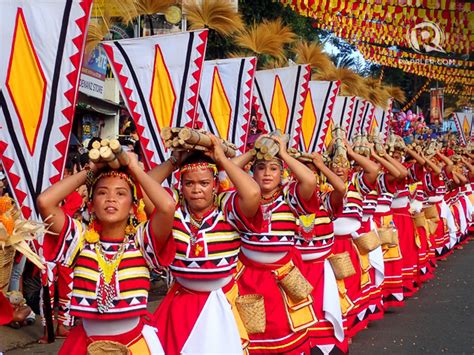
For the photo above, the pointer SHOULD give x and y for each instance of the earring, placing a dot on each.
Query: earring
(215, 198)
(130, 228)
(91, 235)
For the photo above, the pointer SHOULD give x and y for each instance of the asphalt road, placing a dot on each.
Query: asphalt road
(437, 320)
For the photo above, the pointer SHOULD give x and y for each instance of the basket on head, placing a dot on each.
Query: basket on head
(367, 242)
(295, 285)
(251, 309)
(7, 256)
(342, 265)
(102, 347)
(431, 212)
(419, 219)
(388, 236)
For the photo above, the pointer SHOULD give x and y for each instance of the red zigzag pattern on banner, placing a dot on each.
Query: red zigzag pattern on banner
(197, 76)
(131, 103)
(329, 110)
(304, 92)
(71, 94)
(248, 104)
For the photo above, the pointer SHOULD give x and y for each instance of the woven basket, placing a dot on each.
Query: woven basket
(102, 347)
(342, 265)
(431, 212)
(367, 242)
(388, 236)
(6, 264)
(252, 312)
(419, 219)
(295, 285)
(432, 226)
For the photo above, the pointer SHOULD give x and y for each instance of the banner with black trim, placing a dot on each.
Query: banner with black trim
(159, 80)
(225, 98)
(42, 45)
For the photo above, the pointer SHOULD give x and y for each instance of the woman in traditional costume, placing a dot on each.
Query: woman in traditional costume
(198, 315)
(314, 239)
(346, 226)
(111, 258)
(268, 257)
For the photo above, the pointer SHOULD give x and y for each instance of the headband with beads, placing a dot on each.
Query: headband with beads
(199, 166)
(114, 173)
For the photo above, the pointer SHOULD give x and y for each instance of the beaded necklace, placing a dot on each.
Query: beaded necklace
(107, 290)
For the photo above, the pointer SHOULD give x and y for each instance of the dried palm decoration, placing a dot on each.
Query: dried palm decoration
(98, 29)
(274, 63)
(16, 232)
(266, 38)
(126, 10)
(215, 14)
(151, 7)
(376, 93)
(312, 54)
(397, 93)
(352, 84)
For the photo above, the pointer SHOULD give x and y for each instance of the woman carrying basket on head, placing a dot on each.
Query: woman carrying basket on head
(199, 315)
(111, 257)
(269, 259)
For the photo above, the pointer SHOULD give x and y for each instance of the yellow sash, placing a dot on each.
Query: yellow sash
(300, 314)
(390, 253)
(346, 303)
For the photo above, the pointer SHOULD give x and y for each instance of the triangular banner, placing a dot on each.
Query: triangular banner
(159, 79)
(280, 95)
(39, 74)
(317, 114)
(225, 98)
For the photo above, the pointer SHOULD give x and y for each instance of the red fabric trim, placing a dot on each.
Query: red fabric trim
(52, 243)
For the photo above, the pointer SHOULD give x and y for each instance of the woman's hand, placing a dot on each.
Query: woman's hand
(348, 146)
(216, 152)
(317, 160)
(282, 152)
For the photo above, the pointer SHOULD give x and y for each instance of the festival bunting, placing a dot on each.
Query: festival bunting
(317, 115)
(225, 98)
(39, 73)
(159, 80)
(280, 95)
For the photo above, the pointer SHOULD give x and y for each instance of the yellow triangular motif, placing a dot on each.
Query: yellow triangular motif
(220, 107)
(279, 107)
(308, 120)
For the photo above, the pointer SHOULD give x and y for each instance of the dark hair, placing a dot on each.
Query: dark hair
(197, 157)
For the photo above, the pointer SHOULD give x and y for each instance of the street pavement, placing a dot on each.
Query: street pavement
(437, 320)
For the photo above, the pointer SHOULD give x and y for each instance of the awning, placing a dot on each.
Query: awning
(93, 104)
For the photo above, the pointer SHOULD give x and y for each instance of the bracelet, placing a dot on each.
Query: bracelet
(90, 177)
(172, 159)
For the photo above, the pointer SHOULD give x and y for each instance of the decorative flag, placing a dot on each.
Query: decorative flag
(159, 80)
(380, 123)
(225, 98)
(436, 105)
(317, 115)
(463, 121)
(343, 111)
(367, 118)
(42, 44)
(280, 95)
(355, 118)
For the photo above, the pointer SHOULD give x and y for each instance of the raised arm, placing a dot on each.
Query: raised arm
(336, 182)
(162, 220)
(434, 168)
(243, 159)
(419, 159)
(370, 168)
(400, 167)
(48, 201)
(247, 188)
(306, 180)
(393, 172)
